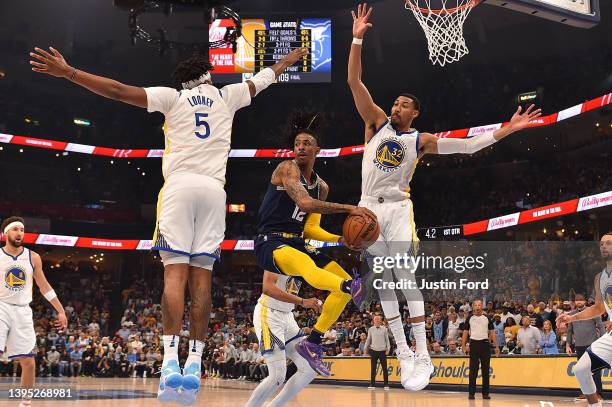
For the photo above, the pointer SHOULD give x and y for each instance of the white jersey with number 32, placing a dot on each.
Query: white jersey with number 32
(198, 126)
(389, 161)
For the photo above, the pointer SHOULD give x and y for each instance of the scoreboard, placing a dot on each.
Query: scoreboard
(273, 44)
(264, 42)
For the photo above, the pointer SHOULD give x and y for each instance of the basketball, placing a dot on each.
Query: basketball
(359, 231)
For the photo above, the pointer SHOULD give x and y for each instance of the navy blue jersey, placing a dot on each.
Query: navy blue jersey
(279, 213)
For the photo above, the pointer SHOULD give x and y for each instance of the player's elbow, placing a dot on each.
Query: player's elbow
(353, 81)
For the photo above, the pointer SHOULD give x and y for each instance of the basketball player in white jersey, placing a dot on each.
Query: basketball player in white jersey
(393, 148)
(599, 355)
(191, 204)
(20, 267)
(278, 332)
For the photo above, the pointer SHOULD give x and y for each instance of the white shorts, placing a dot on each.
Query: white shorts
(602, 349)
(397, 227)
(274, 328)
(190, 220)
(17, 336)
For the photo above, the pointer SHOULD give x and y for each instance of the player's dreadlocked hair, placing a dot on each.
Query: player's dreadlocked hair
(190, 69)
(305, 122)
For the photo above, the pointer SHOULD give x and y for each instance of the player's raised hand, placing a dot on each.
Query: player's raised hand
(312, 303)
(295, 55)
(564, 319)
(52, 63)
(520, 120)
(360, 20)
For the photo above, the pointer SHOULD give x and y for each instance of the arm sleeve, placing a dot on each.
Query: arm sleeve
(599, 325)
(161, 99)
(313, 230)
(465, 146)
(236, 96)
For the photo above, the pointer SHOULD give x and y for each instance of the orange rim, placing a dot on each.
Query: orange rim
(469, 4)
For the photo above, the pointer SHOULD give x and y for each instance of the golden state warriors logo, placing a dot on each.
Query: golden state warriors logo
(608, 296)
(389, 154)
(15, 278)
(293, 285)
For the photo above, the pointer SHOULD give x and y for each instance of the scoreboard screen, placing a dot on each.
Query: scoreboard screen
(264, 42)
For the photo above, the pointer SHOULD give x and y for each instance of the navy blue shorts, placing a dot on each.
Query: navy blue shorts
(266, 244)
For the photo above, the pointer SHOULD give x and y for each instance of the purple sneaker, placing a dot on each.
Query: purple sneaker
(357, 290)
(313, 354)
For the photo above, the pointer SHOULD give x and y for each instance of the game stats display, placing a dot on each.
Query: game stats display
(264, 42)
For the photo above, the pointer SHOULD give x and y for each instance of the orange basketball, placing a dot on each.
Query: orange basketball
(359, 231)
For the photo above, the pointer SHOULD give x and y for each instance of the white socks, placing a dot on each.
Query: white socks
(418, 329)
(171, 343)
(397, 329)
(195, 352)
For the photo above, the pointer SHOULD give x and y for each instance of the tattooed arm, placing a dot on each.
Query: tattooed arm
(287, 174)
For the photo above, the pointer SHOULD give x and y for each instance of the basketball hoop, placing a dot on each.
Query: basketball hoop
(443, 27)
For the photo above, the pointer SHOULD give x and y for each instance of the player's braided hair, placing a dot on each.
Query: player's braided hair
(301, 122)
(10, 220)
(190, 69)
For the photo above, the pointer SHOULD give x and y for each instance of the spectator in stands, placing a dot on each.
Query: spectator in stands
(132, 358)
(88, 361)
(362, 343)
(453, 325)
(511, 327)
(439, 328)
(528, 338)
(53, 357)
(355, 335)
(140, 369)
(378, 346)
(535, 318)
(436, 349)
(582, 334)
(329, 338)
(453, 349)
(76, 357)
(510, 345)
(498, 327)
(242, 364)
(341, 332)
(548, 340)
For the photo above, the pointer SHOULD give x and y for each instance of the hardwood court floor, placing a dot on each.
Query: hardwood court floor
(138, 392)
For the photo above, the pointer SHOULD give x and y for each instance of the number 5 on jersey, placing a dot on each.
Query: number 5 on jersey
(199, 121)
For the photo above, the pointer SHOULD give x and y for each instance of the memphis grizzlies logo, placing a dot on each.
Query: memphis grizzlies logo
(15, 278)
(320, 29)
(390, 154)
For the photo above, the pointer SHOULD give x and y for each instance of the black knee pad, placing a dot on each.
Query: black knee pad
(597, 363)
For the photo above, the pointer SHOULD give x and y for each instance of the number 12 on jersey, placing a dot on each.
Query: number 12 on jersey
(298, 215)
(199, 121)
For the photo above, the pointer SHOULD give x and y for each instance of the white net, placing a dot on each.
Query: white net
(443, 26)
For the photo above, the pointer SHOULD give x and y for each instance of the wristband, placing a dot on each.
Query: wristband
(357, 41)
(49, 295)
(73, 75)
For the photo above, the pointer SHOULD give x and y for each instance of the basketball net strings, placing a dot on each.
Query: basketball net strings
(443, 29)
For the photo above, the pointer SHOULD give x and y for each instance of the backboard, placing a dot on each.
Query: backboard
(578, 13)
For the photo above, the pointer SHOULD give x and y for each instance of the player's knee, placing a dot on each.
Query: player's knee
(278, 375)
(26, 362)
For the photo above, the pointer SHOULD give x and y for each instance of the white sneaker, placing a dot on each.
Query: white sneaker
(406, 362)
(423, 369)
(370, 387)
(386, 388)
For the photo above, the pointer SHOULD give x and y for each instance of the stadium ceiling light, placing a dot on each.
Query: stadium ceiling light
(81, 122)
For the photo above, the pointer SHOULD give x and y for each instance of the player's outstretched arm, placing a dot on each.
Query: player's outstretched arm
(48, 292)
(594, 311)
(268, 76)
(372, 115)
(288, 174)
(53, 63)
(270, 288)
(430, 144)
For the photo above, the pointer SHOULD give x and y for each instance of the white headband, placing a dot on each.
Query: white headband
(196, 82)
(12, 225)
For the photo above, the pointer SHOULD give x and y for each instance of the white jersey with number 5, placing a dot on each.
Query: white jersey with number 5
(198, 126)
(389, 161)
